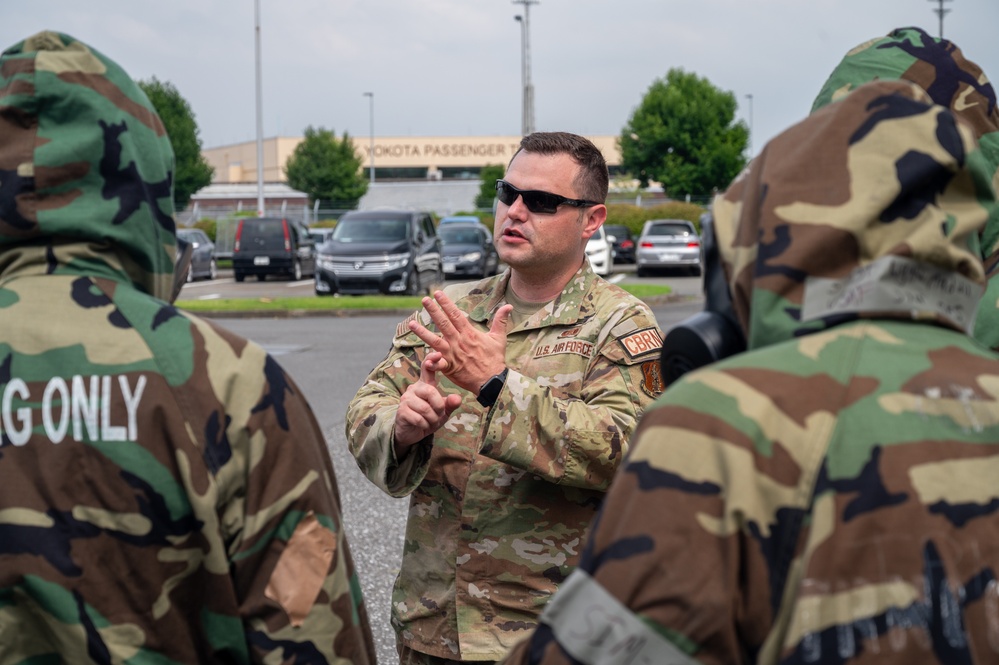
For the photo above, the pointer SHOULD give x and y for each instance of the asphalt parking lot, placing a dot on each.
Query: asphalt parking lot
(225, 286)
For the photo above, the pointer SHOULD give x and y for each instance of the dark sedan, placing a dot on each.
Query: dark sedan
(468, 250)
(624, 244)
(203, 265)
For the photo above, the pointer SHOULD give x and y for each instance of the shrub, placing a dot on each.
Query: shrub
(634, 217)
(208, 226)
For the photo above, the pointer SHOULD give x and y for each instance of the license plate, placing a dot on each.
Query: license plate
(261, 260)
(669, 257)
(448, 267)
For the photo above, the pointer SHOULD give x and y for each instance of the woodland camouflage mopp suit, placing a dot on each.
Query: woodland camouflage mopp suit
(940, 68)
(829, 495)
(165, 492)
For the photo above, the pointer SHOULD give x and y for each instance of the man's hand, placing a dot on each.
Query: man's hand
(422, 408)
(471, 356)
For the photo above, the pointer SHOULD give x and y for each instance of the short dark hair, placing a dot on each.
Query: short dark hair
(592, 181)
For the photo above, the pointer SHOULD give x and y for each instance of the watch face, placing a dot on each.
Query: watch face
(491, 390)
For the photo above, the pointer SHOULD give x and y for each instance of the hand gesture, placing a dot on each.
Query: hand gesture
(422, 408)
(471, 356)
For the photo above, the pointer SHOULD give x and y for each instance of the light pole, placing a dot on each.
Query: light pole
(260, 114)
(523, 75)
(940, 11)
(371, 134)
(750, 146)
(525, 54)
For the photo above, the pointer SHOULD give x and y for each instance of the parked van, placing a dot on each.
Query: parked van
(272, 246)
(381, 251)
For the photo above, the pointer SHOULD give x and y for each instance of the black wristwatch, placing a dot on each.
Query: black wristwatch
(490, 390)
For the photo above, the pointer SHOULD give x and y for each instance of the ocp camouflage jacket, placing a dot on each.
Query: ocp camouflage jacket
(165, 491)
(501, 498)
(830, 495)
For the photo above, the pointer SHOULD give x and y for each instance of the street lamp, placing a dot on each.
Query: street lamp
(527, 126)
(371, 134)
(750, 146)
(523, 75)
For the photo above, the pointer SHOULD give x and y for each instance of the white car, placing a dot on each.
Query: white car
(600, 252)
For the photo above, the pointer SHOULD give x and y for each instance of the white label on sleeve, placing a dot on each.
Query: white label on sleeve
(596, 629)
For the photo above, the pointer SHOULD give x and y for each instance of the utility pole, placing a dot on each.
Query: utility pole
(260, 116)
(940, 11)
(749, 97)
(527, 125)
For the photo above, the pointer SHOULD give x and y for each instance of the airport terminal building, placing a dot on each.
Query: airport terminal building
(395, 157)
(435, 173)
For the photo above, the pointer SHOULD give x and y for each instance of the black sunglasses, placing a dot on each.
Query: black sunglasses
(537, 200)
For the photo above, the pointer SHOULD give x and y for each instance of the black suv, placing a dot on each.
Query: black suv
(272, 246)
(624, 244)
(380, 251)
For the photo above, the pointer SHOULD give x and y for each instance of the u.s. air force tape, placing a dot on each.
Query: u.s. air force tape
(596, 629)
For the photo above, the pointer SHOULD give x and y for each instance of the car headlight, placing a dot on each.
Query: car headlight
(394, 261)
(471, 257)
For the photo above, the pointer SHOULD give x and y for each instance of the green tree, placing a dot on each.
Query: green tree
(489, 174)
(192, 172)
(683, 136)
(327, 169)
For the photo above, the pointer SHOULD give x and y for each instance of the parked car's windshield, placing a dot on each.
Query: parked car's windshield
(668, 229)
(371, 230)
(452, 236)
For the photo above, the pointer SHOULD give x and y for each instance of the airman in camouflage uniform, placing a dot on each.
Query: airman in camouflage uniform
(940, 68)
(829, 495)
(502, 494)
(165, 491)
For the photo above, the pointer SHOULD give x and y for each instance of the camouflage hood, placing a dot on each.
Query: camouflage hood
(86, 168)
(867, 208)
(940, 68)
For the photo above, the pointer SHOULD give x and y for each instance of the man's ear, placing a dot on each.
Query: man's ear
(594, 217)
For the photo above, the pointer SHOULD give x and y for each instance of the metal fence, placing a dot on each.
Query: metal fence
(405, 194)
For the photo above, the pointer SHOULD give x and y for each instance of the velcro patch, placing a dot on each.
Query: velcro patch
(403, 328)
(584, 349)
(652, 379)
(642, 342)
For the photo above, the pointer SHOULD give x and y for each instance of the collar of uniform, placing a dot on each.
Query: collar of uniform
(567, 308)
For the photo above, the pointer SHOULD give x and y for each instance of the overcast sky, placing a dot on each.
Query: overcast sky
(453, 67)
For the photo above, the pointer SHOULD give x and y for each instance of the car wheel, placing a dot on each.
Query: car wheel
(213, 270)
(412, 285)
(437, 283)
(238, 276)
(641, 272)
(296, 273)
(261, 277)
(696, 271)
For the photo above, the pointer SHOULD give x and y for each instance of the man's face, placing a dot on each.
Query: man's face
(538, 243)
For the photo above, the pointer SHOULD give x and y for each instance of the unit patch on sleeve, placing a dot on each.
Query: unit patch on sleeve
(642, 342)
(652, 378)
